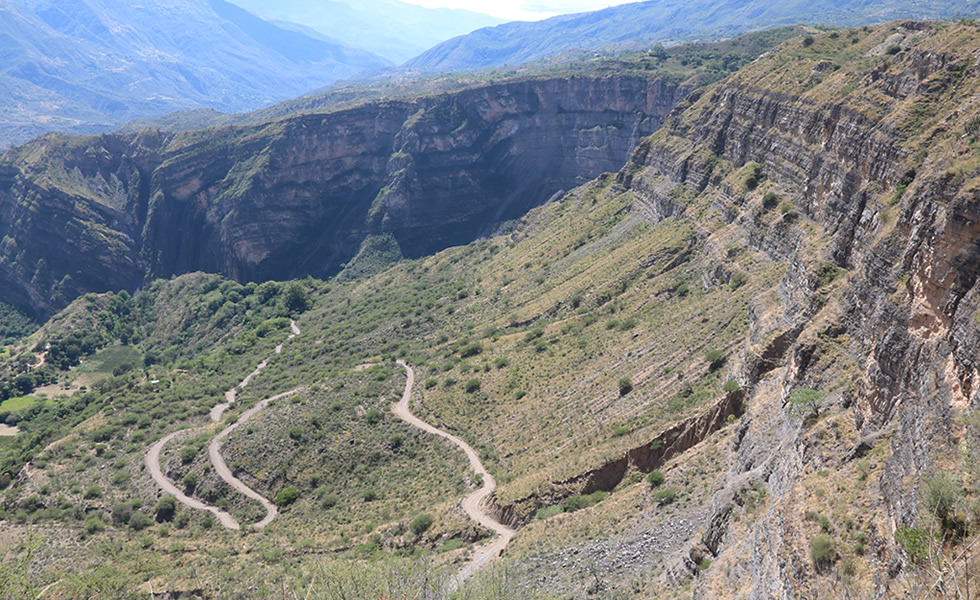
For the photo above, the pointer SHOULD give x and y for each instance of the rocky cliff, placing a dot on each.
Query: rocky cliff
(850, 158)
(297, 196)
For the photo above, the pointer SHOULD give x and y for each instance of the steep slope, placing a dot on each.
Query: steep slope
(395, 30)
(744, 366)
(299, 196)
(644, 23)
(90, 65)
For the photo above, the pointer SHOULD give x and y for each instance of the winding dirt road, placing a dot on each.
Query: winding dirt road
(472, 504)
(214, 451)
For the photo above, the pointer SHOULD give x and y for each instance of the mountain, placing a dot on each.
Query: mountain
(299, 195)
(395, 30)
(646, 23)
(91, 65)
(746, 364)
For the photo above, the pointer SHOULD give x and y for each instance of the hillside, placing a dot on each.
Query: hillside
(395, 30)
(642, 24)
(744, 365)
(308, 193)
(82, 66)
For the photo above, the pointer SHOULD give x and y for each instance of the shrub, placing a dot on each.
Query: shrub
(501, 362)
(187, 454)
(138, 521)
(287, 496)
(472, 386)
(823, 551)
(295, 432)
(92, 492)
(94, 524)
(190, 481)
(770, 200)
(730, 386)
(807, 41)
(121, 513)
(620, 430)
(580, 501)
(369, 496)
(656, 478)
(165, 508)
(421, 524)
(329, 500)
(471, 350)
(666, 496)
(804, 402)
(715, 358)
(942, 494)
(893, 49)
(373, 416)
(450, 545)
(548, 511)
(431, 383)
(625, 386)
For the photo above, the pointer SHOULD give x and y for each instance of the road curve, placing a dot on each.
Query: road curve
(152, 459)
(214, 451)
(472, 504)
(153, 466)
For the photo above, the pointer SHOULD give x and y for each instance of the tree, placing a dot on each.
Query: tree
(421, 523)
(804, 403)
(295, 298)
(165, 508)
(625, 386)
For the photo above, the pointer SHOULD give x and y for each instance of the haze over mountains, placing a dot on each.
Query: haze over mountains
(645, 23)
(392, 29)
(89, 65)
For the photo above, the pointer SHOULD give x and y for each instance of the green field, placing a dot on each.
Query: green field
(18, 404)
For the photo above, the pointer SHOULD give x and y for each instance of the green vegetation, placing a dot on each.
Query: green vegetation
(656, 478)
(421, 524)
(805, 403)
(666, 495)
(823, 551)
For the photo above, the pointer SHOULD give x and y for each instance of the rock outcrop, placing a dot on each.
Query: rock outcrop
(297, 196)
(867, 201)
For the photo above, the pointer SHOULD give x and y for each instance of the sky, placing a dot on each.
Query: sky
(522, 10)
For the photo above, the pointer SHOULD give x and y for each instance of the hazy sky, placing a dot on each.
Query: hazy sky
(527, 10)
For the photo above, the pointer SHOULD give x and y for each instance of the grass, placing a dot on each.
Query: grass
(18, 404)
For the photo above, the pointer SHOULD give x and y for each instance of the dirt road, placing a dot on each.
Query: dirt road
(214, 451)
(472, 504)
(153, 466)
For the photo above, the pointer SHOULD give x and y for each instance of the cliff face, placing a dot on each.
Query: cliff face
(298, 196)
(871, 200)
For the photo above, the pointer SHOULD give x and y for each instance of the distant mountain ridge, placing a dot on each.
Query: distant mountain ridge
(396, 30)
(665, 21)
(82, 66)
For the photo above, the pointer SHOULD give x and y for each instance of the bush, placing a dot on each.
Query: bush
(472, 386)
(666, 496)
(373, 416)
(166, 508)
(187, 454)
(823, 551)
(656, 478)
(138, 521)
(190, 481)
(625, 386)
(369, 496)
(287, 496)
(421, 524)
(471, 350)
(731, 386)
(92, 492)
(942, 494)
(715, 358)
(548, 511)
(770, 200)
(804, 402)
(94, 524)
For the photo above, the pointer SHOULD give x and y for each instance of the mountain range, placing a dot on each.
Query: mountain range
(395, 30)
(91, 65)
(666, 21)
